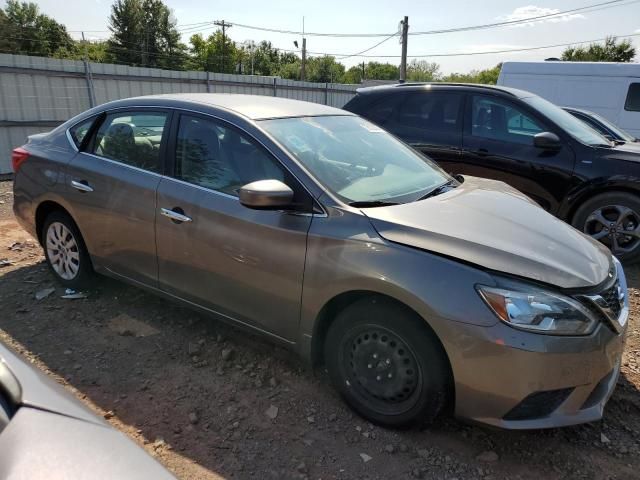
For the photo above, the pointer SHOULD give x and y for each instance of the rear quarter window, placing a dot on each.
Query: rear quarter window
(79, 131)
(633, 98)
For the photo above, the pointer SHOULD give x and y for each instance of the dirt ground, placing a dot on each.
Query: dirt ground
(209, 401)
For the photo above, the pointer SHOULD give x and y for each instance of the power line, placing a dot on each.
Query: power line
(512, 50)
(359, 54)
(595, 6)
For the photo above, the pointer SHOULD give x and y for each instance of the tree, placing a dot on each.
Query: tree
(143, 32)
(423, 71)
(93, 51)
(488, 76)
(214, 53)
(381, 71)
(324, 69)
(609, 51)
(24, 30)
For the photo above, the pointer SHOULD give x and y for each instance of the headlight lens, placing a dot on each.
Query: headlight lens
(539, 311)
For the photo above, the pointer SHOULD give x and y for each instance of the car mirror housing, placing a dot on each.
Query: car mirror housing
(266, 195)
(547, 141)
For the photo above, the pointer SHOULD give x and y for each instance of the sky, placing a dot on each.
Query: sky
(375, 16)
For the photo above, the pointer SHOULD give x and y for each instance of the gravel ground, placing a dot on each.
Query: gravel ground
(209, 401)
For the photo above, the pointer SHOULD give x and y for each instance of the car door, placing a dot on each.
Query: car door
(431, 122)
(498, 144)
(242, 263)
(112, 184)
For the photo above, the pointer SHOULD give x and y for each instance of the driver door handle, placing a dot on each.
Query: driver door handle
(82, 186)
(173, 215)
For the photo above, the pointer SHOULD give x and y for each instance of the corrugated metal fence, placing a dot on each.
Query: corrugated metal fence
(37, 93)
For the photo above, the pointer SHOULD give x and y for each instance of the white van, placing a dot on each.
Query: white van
(610, 89)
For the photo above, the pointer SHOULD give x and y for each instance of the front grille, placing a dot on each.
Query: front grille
(608, 303)
(538, 404)
(611, 297)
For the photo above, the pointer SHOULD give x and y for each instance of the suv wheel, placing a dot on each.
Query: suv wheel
(65, 251)
(614, 219)
(387, 364)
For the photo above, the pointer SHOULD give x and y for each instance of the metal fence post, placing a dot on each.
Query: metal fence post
(275, 87)
(326, 93)
(208, 80)
(87, 75)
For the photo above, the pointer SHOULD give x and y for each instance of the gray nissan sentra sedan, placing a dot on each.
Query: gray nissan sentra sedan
(308, 224)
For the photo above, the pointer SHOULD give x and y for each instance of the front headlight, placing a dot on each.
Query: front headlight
(539, 311)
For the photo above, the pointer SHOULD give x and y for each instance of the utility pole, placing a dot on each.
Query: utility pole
(224, 25)
(304, 60)
(403, 62)
(303, 65)
(363, 70)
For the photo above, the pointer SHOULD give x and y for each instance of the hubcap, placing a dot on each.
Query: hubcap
(616, 226)
(62, 250)
(382, 366)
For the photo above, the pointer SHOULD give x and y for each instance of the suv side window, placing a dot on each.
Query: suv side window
(429, 117)
(132, 138)
(383, 109)
(497, 119)
(632, 103)
(214, 156)
(80, 130)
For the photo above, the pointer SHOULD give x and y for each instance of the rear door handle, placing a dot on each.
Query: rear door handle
(482, 152)
(175, 215)
(82, 186)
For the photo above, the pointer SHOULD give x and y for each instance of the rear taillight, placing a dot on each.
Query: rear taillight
(18, 156)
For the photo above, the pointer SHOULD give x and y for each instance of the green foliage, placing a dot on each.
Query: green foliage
(423, 71)
(609, 51)
(488, 76)
(324, 69)
(26, 31)
(93, 51)
(214, 54)
(143, 32)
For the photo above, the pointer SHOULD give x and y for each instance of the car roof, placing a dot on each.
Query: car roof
(255, 107)
(398, 87)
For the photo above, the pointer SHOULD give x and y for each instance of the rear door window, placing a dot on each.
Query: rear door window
(633, 98)
(132, 138)
(429, 118)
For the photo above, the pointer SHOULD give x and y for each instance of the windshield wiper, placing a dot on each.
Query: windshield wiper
(371, 204)
(438, 190)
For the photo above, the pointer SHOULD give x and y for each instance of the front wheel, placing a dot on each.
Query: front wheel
(612, 218)
(387, 364)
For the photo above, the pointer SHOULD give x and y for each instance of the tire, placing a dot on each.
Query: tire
(619, 213)
(66, 252)
(387, 364)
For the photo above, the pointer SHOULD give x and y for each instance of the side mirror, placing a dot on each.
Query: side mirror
(547, 141)
(266, 195)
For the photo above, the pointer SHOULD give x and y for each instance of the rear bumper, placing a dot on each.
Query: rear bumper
(514, 379)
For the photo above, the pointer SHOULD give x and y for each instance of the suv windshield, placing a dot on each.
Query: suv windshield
(576, 128)
(356, 160)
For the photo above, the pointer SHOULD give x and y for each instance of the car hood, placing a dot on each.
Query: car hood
(627, 151)
(488, 223)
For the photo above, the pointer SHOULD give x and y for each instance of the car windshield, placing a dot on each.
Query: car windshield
(576, 128)
(613, 127)
(357, 160)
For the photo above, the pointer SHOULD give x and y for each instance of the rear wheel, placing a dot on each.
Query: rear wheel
(612, 218)
(65, 251)
(386, 363)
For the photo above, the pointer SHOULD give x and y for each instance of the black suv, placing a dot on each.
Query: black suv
(519, 138)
